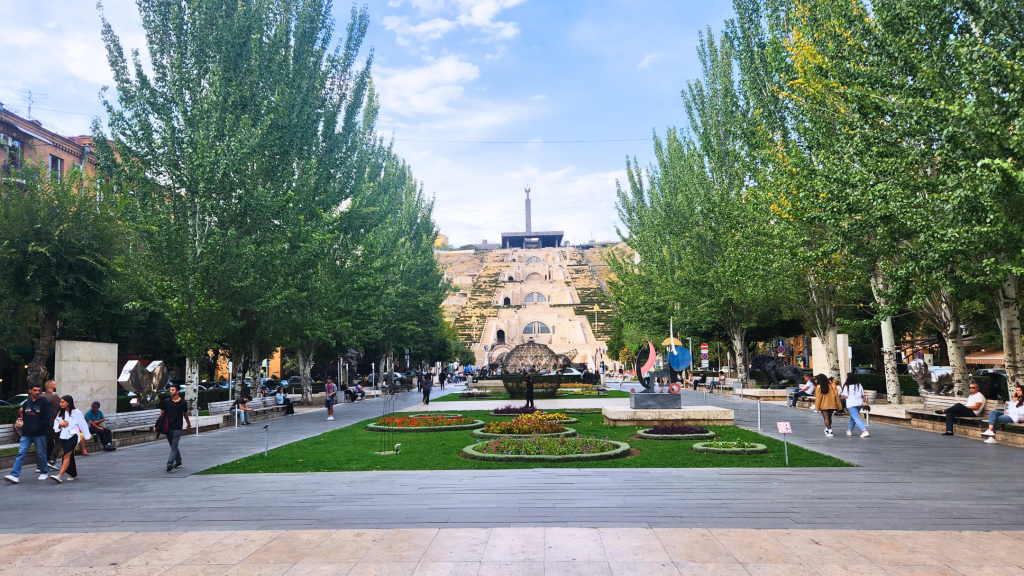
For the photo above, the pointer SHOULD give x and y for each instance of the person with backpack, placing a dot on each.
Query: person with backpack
(35, 419)
(173, 416)
(71, 426)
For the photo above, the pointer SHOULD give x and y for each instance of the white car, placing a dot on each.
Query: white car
(571, 372)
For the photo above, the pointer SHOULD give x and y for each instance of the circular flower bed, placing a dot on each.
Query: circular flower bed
(484, 434)
(526, 425)
(540, 449)
(511, 410)
(476, 395)
(583, 411)
(425, 423)
(733, 447)
(676, 432)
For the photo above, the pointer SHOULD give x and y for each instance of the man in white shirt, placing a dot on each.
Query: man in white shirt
(803, 391)
(975, 404)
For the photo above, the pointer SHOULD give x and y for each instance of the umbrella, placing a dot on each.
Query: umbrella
(671, 342)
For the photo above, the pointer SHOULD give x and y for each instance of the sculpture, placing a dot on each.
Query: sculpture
(351, 361)
(928, 381)
(534, 357)
(144, 382)
(775, 371)
(646, 381)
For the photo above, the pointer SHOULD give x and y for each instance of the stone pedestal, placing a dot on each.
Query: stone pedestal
(654, 400)
(87, 371)
(692, 415)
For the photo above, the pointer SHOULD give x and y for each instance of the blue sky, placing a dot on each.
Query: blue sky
(458, 71)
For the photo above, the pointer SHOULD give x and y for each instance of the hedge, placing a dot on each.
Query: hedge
(8, 414)
(876, 382)
(205, 397)
(539, 378)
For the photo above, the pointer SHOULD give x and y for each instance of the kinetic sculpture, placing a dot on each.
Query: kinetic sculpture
(775, 371)
(927, 381)
(534, 357)
(144, 382)
(642, 372)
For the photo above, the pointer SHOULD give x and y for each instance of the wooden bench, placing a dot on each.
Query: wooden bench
(266, 406)
(131, 421)
(933, 402)
(8, 437)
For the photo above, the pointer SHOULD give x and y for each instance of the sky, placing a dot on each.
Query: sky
(483, 97)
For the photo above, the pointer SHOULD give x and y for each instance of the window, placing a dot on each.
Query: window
(533, 260)
(535, 297)
(57, 165)
(536, 328)
(534, 276)
(12, 160)
(507, 301)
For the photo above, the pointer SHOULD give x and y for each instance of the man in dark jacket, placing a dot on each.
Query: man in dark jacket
(529, 390)
(36, 418)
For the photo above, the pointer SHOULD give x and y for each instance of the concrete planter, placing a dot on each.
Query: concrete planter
(621, 451)
(646, 436)
(703, 447)
(490, 436)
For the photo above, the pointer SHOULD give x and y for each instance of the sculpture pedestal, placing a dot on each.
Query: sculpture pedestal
(654, 401)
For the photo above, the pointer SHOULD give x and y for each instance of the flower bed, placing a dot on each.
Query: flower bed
(733, 447)
(540, 449)
(526, 424)
(583, 411)
(511, 410)
(484, 434)
(554, 417)
(578, 393)
(676, 432)
(476, 395)
(425, 423)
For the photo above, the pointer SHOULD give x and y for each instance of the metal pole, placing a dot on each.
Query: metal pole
(266, 440)
(758, 413)
(705, 398)
(785, 446)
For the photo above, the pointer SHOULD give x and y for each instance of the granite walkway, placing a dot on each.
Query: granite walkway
(515, 552)
(905, 479)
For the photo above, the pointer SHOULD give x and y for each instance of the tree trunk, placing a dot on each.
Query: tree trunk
(240, 364)
(305, 365)
(738, 336)
(893, 392)
(825, 324)
(192, 385)
(255, 366)
(37, 370)
(1009, 324)
(943, 314)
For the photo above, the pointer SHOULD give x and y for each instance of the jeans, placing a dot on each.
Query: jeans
(799, 394)
(243, 416)
(999, 417)
(26, 442)
(956, 411)
(855, 418)
(173, 436)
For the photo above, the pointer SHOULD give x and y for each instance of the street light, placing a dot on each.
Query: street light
(595, 319)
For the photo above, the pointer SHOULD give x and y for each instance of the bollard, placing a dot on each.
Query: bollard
(266, 440)
(759, 414)
(705, 398)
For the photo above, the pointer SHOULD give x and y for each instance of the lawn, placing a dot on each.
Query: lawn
(352, 449)
(454, 397)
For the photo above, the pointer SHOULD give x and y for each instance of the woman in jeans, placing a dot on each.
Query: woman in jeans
(1014, 414)
(826, 400)
(853, 392)
(70, 424)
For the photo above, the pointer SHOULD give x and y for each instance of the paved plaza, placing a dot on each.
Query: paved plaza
(515, 552)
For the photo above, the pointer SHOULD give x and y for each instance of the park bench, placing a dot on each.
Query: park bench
(933, 402)
(125, 422)
(266, 406)
(8, 437)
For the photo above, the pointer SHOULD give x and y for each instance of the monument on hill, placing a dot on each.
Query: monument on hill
(529, 238)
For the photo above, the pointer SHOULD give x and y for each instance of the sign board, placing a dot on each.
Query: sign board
(704, 355)
(784, 428)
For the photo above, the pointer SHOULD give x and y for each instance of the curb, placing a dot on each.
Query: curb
(702, 447)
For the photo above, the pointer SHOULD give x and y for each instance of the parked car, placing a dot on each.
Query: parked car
(15, 399)
(864, 370)
(571, 372)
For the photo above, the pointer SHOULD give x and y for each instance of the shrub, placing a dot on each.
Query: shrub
(475, 395)
(676, 430)
(525, 424)
(541, 446)
(542, 378)
(517, 389)
(876, 382)
(124, 404)
(8, 414)
(510, 409)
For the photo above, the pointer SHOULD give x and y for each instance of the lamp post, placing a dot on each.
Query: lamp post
(595, 319)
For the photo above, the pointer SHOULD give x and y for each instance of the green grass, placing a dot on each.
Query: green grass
(454, 397)
(352, 449)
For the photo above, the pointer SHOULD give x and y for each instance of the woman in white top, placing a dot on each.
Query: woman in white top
(1014, 414)
(853, 392)
(70, 423)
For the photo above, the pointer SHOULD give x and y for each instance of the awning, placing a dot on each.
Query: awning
(983, 357)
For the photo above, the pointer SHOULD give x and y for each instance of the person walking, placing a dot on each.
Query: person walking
(330, 397)
(1013, 414)
(853, 393)
(826, 401)
(94, 418)
(52, 438)
(175, 412)
(529, 390)
(36, 419)
(71, 425)
(428, 384)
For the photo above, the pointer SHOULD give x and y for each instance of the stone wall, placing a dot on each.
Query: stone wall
(88, 372)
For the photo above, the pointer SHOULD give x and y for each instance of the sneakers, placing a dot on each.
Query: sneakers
(947, 433)
(42, 476)
(988, 433)
(828, 432)
(109, 448)
(849, 432)
(330, 418)
(940, 412)
(177, 464)
(991, 441)
(170, 467)
(864, 434)
(56, 479)
(11, 479)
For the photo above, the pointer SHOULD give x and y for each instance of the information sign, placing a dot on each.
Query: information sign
(784, 428)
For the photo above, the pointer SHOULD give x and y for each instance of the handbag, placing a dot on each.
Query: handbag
(18, 425)
(865, 408)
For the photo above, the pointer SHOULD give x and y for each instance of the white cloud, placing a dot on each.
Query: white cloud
(539, 97)
(429, 89)
(471, 14)
(647, 60)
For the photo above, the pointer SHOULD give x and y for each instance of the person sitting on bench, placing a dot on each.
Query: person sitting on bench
(805, 391)
(95, 419)
(1014, 414)
(241, 409)
(975, 404)
(284, 400)
(360, 392)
